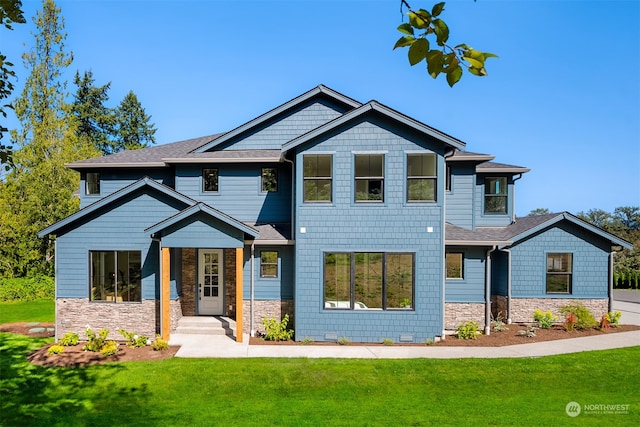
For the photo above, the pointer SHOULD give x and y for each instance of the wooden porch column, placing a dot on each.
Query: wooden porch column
(239, 296)
(165, 281)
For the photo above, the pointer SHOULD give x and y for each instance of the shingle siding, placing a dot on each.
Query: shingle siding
(471, 287)
(459, 210)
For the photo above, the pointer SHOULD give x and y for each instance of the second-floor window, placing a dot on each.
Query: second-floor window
(210, 180)
(317, 177)
(269, 180)
(421, 177)
(92, 186)
(495, 195)
(369, 177)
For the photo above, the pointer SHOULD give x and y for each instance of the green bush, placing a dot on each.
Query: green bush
(468, 330)
(55, 349)
(160, 344)
(134, 340)
(277, 331)
(545, 319)
(70, 338)
(95, 342)
(579, 315)
(109, 348)
(27, 289)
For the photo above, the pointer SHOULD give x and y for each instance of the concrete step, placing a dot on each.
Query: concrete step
(205, 326)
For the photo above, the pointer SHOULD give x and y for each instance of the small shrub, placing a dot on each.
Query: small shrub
(468, 330)
(306, 341)
(545, 319)
(55, 349)
(109, 348)
(344, 341)
(429, 341)
(582, 316)
(70, 338)
(387, 341)
(95, 342)
(499, 326)
(604, 322)
(570, 322)
(277, 331)
(160, 344)
(613, 318)
(134, 340)
(530, 332)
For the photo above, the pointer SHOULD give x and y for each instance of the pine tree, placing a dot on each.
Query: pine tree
(38, 190)
(134, 129)
(95, 120)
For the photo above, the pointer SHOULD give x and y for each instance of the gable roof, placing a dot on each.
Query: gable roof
(468, 156)
(494, 167)
(379, 108)
(113, 197)
(208, 210)
(320, 90)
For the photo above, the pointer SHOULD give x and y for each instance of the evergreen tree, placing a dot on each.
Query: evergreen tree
(133, 127)
(95, 120)
(38, 190)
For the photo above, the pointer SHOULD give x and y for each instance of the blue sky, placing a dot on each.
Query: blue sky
(563, 98)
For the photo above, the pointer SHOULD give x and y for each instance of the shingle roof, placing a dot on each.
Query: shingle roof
(494, 167)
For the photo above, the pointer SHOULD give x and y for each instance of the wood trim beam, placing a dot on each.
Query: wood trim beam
(239, 293)
(165, 285)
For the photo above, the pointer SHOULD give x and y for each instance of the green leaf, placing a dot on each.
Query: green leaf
(474, 62)
(418, 50)
(454, 76)
(477, 71)
(404, 41)
(406, 28)
(435, 62)
(418, 20)
(437, 9)
(442, 31)
(450, 62)
(489, 55)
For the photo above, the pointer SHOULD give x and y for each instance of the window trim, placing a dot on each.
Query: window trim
(369, 178)
(496, 195)
(87, 190)
(433, 178)
(262, 180)
(270, 264)
(447, 277)
(329, 178)
(570, 273)
(352, 280)
(117, 269)
(204, 181)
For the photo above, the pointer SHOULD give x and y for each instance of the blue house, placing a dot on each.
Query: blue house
(354, 219)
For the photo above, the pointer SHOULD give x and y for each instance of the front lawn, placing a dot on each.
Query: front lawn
(313, 392)
(27, 311)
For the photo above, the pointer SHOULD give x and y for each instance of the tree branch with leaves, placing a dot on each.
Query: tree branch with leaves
(442, 59)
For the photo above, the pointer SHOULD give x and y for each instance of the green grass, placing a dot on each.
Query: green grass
(313, 392)
(30, 311)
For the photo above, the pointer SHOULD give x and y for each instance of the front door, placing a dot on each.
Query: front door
(210, 282)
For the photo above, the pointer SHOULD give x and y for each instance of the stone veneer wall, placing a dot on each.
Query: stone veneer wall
(276, 309)
(188, 282)
(456, 313)
(522, 308)
(175, 307)
(229, 309)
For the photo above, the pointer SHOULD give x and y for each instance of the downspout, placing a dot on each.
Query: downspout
(293, 194)
(487, 293)
(446, 155)
(159, 241)
(508, 251)
(252, 284)
(513, 217)
(611, 255)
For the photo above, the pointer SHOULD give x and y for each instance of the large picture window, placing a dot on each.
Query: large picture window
(368, 281)
(318, 177)
(210, 180)
(115, 276)
(495, 195)
(559, 273)
(421, 177)
(369, 177)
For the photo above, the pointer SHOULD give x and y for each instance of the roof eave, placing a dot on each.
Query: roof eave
(502, 170)
(77, 166)
(275, 159)
(487, 243)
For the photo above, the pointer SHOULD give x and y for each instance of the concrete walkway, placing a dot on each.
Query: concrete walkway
(226, 347)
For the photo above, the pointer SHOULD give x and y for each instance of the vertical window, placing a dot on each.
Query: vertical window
(447, 183)
(559, 273)
(92, 183)
(368, 281)
(495, 195)
(115, 276)
(317, 177)
(369, 177)
(454, 265)
(210, 180)
(269, 264)
(269, 180)
(421, 177)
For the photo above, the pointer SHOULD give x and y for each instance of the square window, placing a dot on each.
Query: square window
(92, 186)
(269, 264)
(269, 180)
(369, 178)
(210, 180)
(422, 177)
